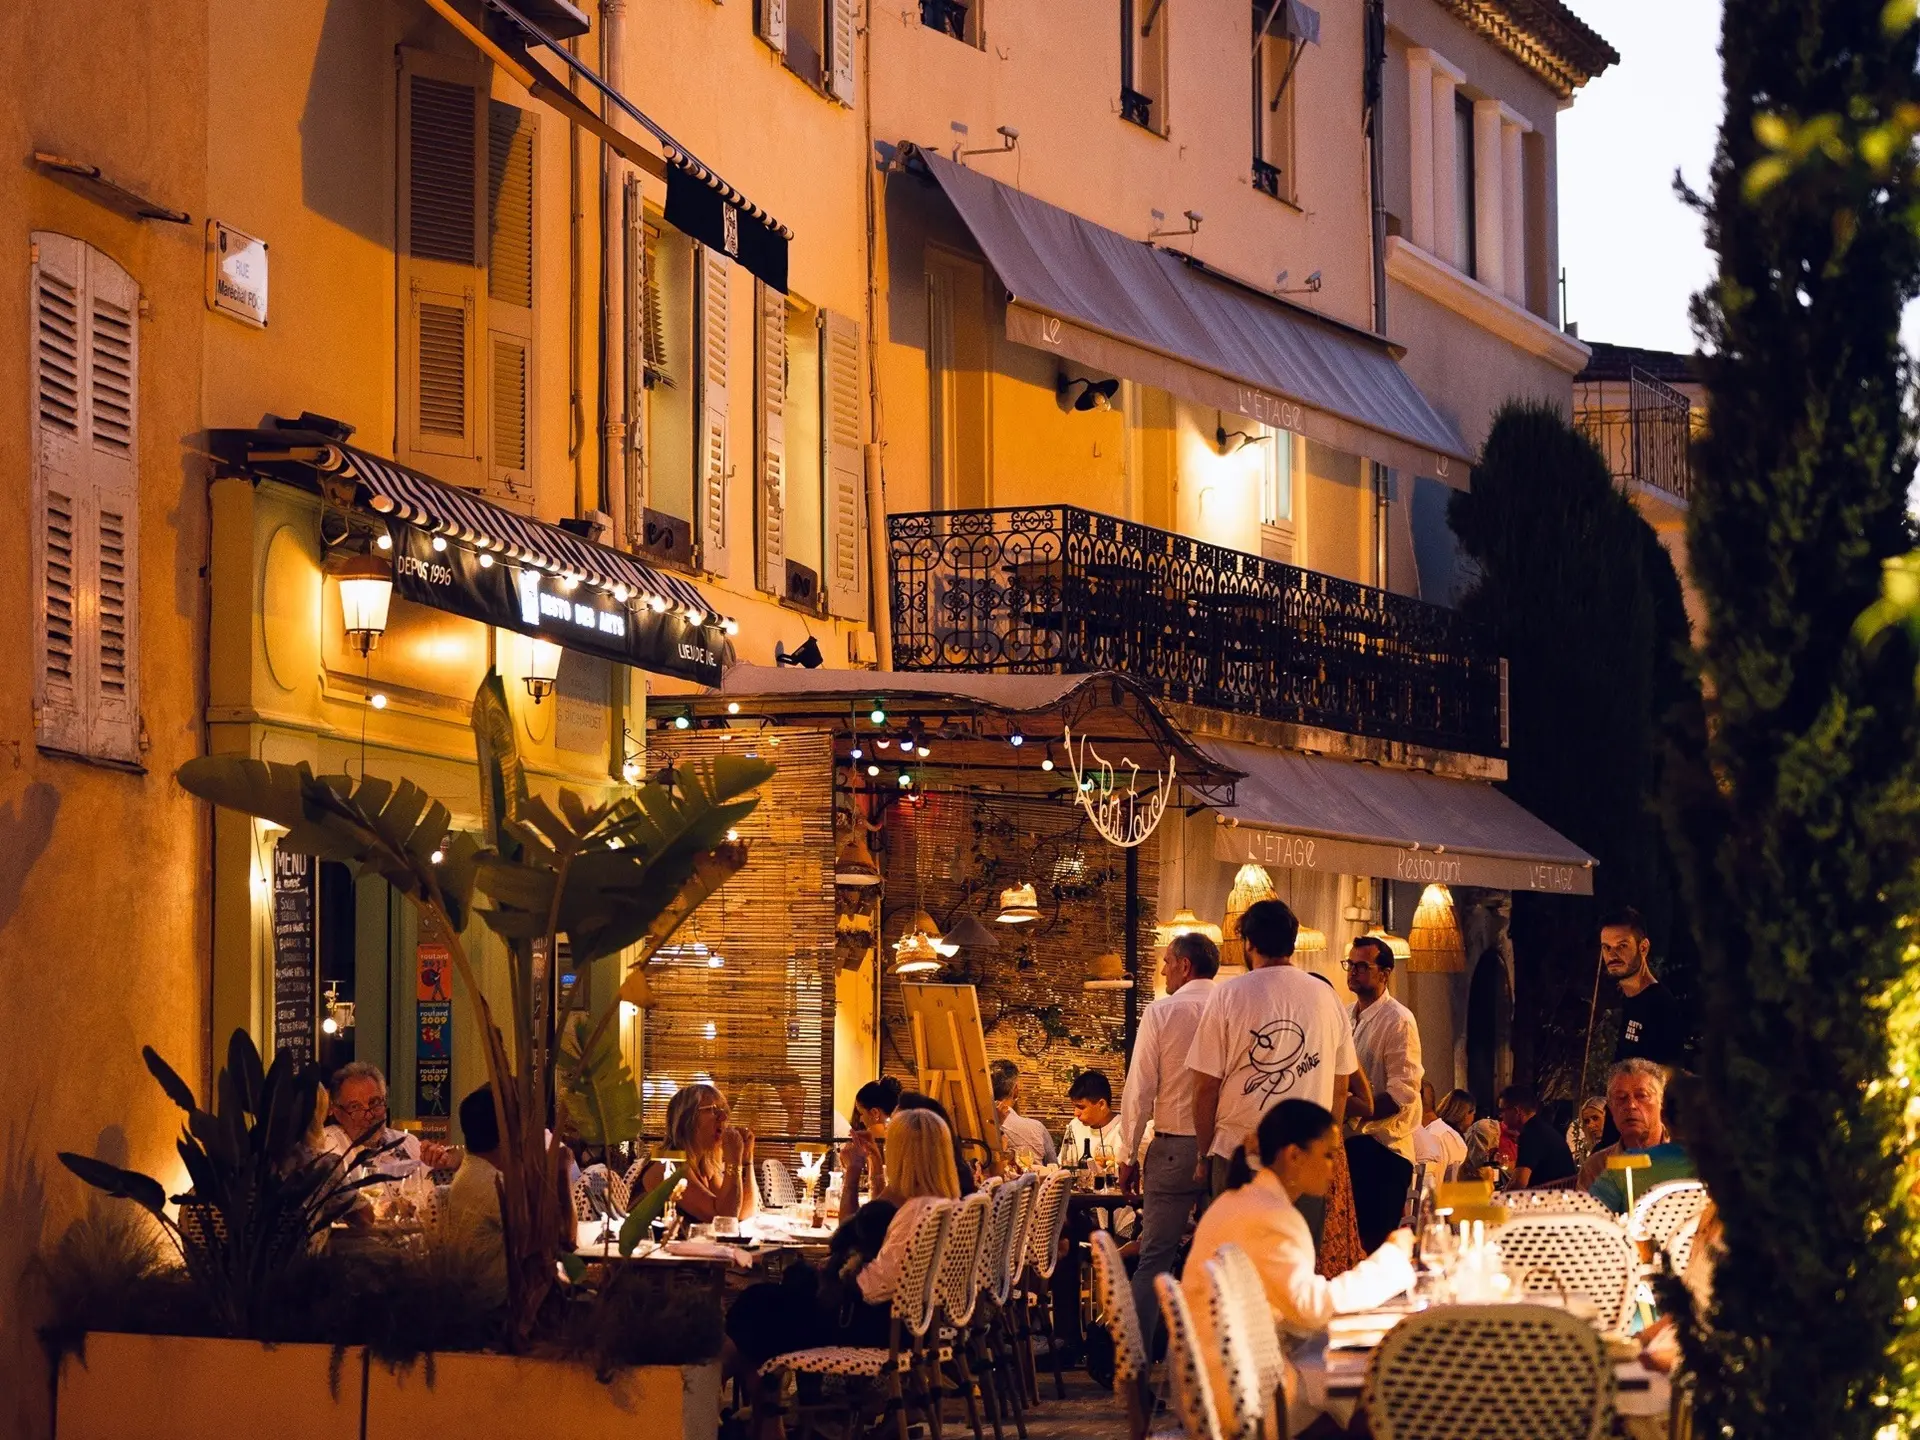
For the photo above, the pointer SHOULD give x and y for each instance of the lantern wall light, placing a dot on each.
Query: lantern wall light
(543, 668)
(366, 594)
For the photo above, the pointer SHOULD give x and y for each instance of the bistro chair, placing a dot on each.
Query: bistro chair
(895, 1380)
(1256, 1313)
(1044, 1232)
(1680, 1248)
(1490, 1372)
(996, 1338)
(1582, 1254)
(1553, 1202)
(1659, 1214)
(778, 1181)
(1115, 1299)
(959, 1292)
(1192, 1390)
(1245, 1413)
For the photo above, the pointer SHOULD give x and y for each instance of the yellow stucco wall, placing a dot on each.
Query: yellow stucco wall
(102, 873)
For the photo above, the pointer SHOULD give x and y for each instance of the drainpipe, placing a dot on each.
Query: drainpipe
(1373, 97)
(613, 419)
(879, 585)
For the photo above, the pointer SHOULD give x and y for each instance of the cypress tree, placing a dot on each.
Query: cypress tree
(1581, 598)
(1801, 839)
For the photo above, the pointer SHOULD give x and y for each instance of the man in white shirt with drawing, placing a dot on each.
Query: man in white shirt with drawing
(1275, 1033)
(1159, 1091)
(1387, 1040)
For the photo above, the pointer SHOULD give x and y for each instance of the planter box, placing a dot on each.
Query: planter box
(168, 1387)
(163, 1387)
(508, 1395)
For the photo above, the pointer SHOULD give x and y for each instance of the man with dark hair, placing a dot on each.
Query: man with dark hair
(1269, 1035)
(1542, 1157)
(1159, 1092)
(1652, 1027)
(1386, 1041)
(473, 1199)
(1020, 1132)
(1094, 1131)
(1296, 1140)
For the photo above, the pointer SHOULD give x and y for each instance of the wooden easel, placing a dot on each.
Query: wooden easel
(950, 1060)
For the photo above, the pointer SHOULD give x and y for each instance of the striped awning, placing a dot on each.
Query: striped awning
(393, 490)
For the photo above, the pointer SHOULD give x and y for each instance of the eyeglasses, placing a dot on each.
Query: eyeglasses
(722, 1111)
(370, 1107)
(1352, 965)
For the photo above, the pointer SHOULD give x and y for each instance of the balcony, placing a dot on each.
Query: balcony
(1055, 589)
(1645, 442)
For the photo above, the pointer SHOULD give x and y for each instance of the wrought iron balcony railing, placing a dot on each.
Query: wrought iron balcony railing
(1646, 441)
(1054, 588)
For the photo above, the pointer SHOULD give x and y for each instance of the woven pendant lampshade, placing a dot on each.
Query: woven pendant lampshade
(1185, 922)
(1251, 885)
(913, 954)
(923, 922)
(1402, 952)
(1309, 940)
(1434, 942)
(854, 865)
(1107, 972)
(1019, 905)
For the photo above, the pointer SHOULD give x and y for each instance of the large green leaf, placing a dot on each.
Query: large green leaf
(596, 1088)
(503, 778)
(143, 1190)
(641, 1217)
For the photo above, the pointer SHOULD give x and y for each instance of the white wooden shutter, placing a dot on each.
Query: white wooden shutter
(843, 465)
(113, 359)
(442, 246)
(511, 268)
(773, 24)
(843, 16)
(711, 429)
(60, 488)
(772, 428)
(633, 307)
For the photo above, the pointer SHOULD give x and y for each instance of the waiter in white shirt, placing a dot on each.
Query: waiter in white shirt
(1159, 1091)
(1387, 1040)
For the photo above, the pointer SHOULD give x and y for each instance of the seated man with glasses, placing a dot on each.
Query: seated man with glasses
(357, 1125)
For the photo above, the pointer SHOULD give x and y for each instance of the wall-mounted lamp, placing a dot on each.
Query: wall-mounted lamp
(1094, 394)
(1009, 138)
(1231, 441)
(543, 668)
(806, 655)
(366, 591)
(1312, 287)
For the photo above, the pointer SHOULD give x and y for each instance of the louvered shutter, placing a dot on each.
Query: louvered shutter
(772, 428)
(444, 161)
(842, 15)
(843, 466)
(633, 308)
(511, 186)
(711, 429)
(773, 23)
(60, 486)
(113, 311)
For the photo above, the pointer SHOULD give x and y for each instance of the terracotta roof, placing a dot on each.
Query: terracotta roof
(1544, 35)
(1613, 362)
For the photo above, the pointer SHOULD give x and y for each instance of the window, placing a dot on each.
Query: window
(816, 38)
(792, 492)
(958, 18)
(667, 367)
(1143, 64)
(1276, 479)
(1276, 53)
(86, 516)
(1463, 186)
(468, 279)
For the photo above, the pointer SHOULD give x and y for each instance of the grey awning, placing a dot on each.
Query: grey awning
(1340, 817)
(1118, 305)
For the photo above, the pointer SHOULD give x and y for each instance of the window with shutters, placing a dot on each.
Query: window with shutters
(713, 518)
(468, 279)
(1275, 58)
(670, 353)
(793, 512)
(85, 365)
(844, 459)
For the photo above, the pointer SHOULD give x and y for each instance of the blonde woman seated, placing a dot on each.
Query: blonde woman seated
(847, 1301)
(719, 1163)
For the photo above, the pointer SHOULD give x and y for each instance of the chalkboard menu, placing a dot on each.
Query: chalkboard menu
(296, 951)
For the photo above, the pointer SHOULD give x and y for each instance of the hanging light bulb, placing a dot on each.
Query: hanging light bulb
(486, 561)
(385, 542)
(878, 714)
(439, 544)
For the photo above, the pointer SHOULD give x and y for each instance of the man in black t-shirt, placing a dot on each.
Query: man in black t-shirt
(1652, 1026)
(1543, 1157)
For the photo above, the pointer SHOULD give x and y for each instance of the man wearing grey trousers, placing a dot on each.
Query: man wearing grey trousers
(1160, 1088)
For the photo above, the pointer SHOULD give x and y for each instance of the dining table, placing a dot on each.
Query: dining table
(766, 1246)
(1332, 1367)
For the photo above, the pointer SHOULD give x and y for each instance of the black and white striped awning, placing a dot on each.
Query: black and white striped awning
(440, 509)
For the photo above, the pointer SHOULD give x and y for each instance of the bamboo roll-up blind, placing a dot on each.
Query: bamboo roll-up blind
(744, 996)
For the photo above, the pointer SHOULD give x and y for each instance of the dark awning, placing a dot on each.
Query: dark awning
(1340, 817)
(457, 552)
(1095, 296)
(699, 202)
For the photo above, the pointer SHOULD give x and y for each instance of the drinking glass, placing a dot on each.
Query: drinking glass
(725, 1227)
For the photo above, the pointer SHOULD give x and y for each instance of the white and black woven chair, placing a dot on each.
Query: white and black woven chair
(1244, 1411)
(1114, 1296)
(997, 1337)
(1659, 1214)
(1552, 1202)
(1044, 1231)
(894, 1381)
(1490, 1372)
(778, 1181)
(1270, 1361)
(958, 1289)
(1186, 1368)
(1581, 1254)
